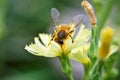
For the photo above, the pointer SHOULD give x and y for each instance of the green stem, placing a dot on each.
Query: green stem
(91, 73)
(66, 66)
(94, 43)
(95, 72)
(86, 74)
(104, 14)
(95, 40)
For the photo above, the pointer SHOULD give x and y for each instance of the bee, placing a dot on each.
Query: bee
(63, 31)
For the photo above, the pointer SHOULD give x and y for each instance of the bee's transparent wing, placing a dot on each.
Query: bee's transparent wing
(77, 20)
(55, 16)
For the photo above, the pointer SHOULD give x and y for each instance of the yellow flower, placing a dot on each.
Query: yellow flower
(77, 50)
(106, 49)
(40, 49)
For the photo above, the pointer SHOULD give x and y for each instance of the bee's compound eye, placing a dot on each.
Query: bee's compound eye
(60, 41)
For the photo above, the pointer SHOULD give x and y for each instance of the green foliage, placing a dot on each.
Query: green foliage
(66, 66)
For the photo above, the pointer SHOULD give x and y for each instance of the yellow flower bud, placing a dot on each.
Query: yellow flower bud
(105, 39)
(106, 35)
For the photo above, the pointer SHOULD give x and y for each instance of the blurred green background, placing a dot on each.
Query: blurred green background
(21, 21)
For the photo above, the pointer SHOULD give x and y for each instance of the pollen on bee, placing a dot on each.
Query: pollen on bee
(90, 11)
(63, 47)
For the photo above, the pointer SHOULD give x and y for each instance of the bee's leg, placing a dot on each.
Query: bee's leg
(55, 29)
(51, 39)
(72, 38)
(71, 31)
(49, 43)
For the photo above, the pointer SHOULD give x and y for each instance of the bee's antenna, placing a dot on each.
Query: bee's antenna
(55, 16)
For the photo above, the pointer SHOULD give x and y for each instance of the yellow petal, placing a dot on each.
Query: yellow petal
(55, 48)
(35, 49)
(37, 42)
(83, 36)
(113, 49)
(40, 50)
(67, 45)
(106, 35)
(80, 54)
(45, 38)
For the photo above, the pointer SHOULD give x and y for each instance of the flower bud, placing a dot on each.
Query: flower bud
(90, 11)
(105, 39)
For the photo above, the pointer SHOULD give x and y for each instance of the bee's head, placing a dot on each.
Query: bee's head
(62, 34)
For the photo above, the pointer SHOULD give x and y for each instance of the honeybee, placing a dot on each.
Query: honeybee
(63, 31)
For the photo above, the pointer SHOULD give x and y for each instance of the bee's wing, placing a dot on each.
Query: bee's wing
(55, 16)
(77, 20)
